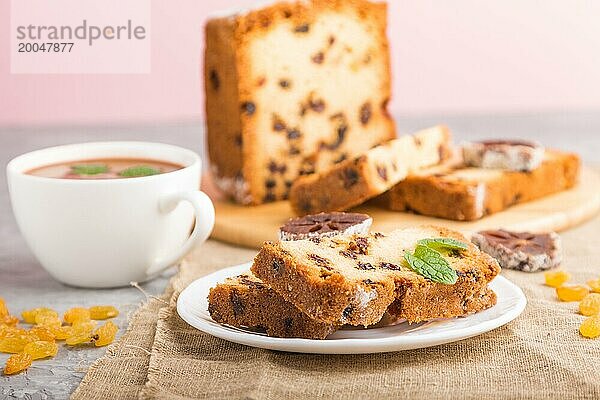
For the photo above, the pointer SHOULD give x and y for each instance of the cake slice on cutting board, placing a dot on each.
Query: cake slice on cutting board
(354, 181)
(469, 193)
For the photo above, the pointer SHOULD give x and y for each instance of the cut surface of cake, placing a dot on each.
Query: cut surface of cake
(354, 181)
(353, 280)
(294, 88)
(471, 193)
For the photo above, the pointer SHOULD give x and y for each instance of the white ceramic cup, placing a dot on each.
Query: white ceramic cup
(109, 232)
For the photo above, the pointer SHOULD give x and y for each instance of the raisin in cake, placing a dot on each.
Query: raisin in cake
(353, 280)
(354, 181)
(467, 194)
(292, 89)
(245, 301)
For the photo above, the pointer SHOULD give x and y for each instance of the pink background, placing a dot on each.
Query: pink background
(449, 57)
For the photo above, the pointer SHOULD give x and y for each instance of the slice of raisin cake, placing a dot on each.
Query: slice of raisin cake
(292, 89)
(354, 181)
(468, 193)
(353, 280)
(245, 301)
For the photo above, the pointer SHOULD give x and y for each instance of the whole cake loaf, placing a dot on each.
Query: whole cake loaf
(471, 193)
(354, 181)
(355, 279)
(291, 89)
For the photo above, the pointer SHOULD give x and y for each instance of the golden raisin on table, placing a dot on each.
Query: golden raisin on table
(61, 332)
(13, 344)
(41, 349)
(48, 322)
(105, 334)
(78, 338)
(571, 292)
(3, 309)
(84, 326)
(29, 315)
(17, 363)
(9, 320)
(81, 333)
(103, 312)
(594, 284)
(590, 328)
(556, 278)
(76, 314)
(7, 331)
(42, 333)
(590, 305)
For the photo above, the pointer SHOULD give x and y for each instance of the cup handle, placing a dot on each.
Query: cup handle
(205, 221)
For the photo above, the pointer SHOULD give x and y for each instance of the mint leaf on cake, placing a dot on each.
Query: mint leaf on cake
(431, 264)
(444, 244)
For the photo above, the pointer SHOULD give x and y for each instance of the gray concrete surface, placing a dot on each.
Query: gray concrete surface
(24, 284)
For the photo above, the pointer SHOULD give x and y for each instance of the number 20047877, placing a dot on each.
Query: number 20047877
(45, 47)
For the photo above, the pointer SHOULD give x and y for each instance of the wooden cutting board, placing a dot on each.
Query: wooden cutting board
(251, 226)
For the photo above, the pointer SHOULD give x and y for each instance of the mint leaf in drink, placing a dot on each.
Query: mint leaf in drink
(89, 169)
(138, 170)
(444, 244)
(430, 264)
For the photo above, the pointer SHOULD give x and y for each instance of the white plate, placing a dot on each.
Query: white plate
(192, 306)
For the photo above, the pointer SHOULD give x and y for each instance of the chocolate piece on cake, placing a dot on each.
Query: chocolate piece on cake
(512, 155)
(467, 194)
(353, 181)
(245, 301)
(292, 88)
(354, 279)
(325, 224)
(522, 251)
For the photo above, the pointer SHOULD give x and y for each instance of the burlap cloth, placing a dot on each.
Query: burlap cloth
(539, 355)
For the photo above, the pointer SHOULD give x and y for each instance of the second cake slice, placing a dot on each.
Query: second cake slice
(354, 181)
(468, 193)
(353, 280)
